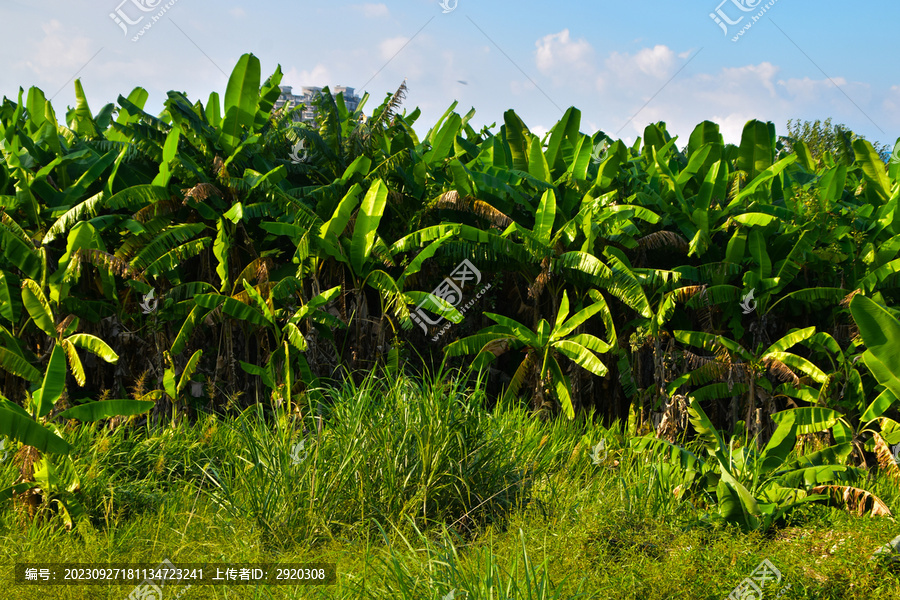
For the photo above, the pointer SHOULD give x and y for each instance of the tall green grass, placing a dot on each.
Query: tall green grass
(421, 567)
(416, 491)
(387, 450)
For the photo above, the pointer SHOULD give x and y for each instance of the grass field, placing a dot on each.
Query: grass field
(414, 491)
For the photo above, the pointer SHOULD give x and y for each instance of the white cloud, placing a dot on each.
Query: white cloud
(391, 46)
(372, 10)
(656, 62)
(731, 126)
(315, 77)
(762, 74)
(732, 96)
(237, 12)
(805, 88)
(521, 86)
(892, 103)
(539, 130)
(810, 90)
(729, 97)
(58, 55)
(558, 50)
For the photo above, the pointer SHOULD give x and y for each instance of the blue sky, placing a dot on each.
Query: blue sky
(624, 64)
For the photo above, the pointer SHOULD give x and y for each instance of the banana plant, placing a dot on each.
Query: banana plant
(753, 489)
(64, 342)
(880, 331)
(172, 389)
(282, 364)
(738, 370)
(840, 403)
(394, 295)
(663, 303)
(32, 262)
(363, 254)
(843, 387)
(551, 247)
(55, 480)
(543, 347)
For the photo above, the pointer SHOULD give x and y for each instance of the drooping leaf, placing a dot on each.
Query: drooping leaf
(561, 386)
(880, 331)
(811, 419)
(15, 363)
(105, 409)
(582, 357)
(232, 308)
(189, 369)
(54, 381)
(29, 432)
(38, 307)
(95, 345)
(854, 500)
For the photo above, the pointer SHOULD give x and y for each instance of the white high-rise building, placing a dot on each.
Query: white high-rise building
(287, 97)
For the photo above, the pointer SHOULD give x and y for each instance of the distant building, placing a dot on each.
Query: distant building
(309, 94)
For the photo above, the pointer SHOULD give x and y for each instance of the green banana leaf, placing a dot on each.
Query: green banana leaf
(105, 409)
(880, 331)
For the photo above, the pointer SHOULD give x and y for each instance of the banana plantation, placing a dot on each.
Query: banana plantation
(731, 307)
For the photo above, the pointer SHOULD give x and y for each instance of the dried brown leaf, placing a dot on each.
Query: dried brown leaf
(886, 461)
(683, 294)
(157, 209)
(782, 371)
(482, 209)
(854, 500)
(497, 347)
(65, 324)
(201, 192)
(537, 286)
(846, 301)
(660, 239)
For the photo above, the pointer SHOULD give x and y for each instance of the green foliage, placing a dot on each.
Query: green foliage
(752, 489)
(820, 139)
(194, 233)
(880, 330)
(543, 347)
(437, 455)
(569, 518)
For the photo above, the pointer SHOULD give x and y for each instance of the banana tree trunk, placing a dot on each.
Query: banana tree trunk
(751, 405)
